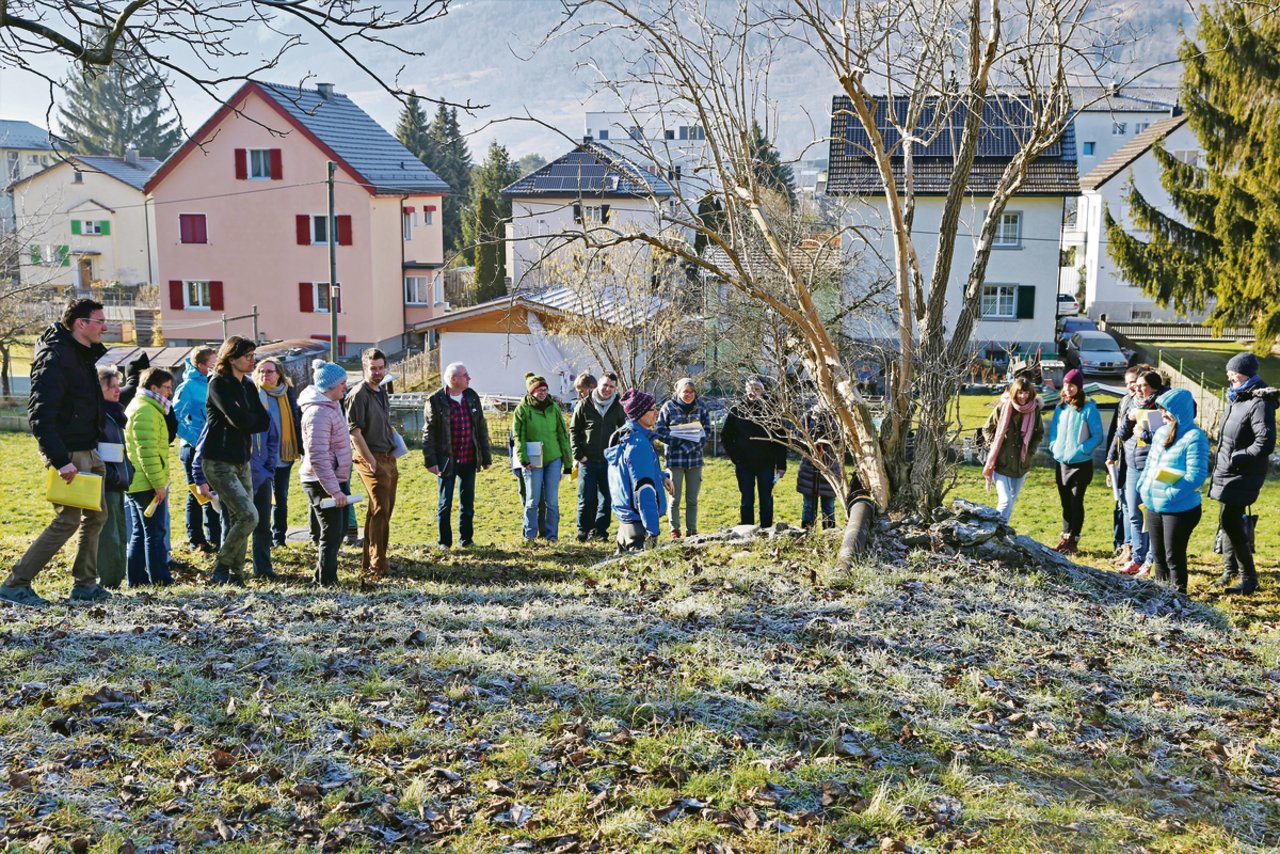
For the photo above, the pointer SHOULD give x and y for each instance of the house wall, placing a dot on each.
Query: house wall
(1033, 263)
(1097, 125)
(252, 245)
(498, 361)
(1107, 291)
(535, 224)
(28, 162)
(45, 207)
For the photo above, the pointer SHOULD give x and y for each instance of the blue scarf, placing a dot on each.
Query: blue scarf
(1233, 393)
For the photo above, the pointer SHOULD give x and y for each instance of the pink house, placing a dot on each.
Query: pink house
(240, 220)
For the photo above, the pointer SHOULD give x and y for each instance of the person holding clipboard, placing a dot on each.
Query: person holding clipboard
(1176, 468)
(1074, 433)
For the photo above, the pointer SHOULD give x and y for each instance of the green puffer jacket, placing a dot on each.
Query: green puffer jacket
(146, 442)
(541, 425)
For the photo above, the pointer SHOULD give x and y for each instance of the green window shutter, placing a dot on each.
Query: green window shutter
(36, 256)
(1026, 302)
(64, 254)
(75, 226)
(104, 227)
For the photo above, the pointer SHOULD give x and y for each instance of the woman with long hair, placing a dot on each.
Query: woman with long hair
(280, 399)
(1176, 468)
(1134, 435)
(235, 414)
(1074, 433)
(1013, 432)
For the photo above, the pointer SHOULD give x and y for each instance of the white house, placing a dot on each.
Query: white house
(1105, 189)
(1019, 296)
(86, 219)
(668, 144)
(1109, 117)
(592, 186)
(24, 150)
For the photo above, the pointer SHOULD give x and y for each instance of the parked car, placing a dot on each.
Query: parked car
(1067, 305)
(1068, 326)
(1096, 353)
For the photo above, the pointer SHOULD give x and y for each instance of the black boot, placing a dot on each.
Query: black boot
(221, 575)
(1229, 570)
(1247, 584)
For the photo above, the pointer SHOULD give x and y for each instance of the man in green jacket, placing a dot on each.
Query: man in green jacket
(596, 417)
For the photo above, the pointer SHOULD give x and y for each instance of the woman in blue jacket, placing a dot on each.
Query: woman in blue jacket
(1177, 466)
(1074, 433)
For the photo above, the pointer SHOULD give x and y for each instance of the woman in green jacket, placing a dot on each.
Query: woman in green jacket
(146, 439)
(538, 420)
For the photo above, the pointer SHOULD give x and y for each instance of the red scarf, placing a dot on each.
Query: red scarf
(1008, 405)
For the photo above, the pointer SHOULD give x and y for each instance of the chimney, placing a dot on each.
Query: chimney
(131, 156)
(325, 90)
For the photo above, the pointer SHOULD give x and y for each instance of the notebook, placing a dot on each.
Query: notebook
(84, 490)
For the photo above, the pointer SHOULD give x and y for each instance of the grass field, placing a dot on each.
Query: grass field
(730, 699)
(1210, 359)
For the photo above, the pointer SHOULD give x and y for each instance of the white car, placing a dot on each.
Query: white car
(1067, 305)
(1096, 353)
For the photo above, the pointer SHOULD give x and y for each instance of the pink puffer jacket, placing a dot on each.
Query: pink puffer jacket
(326, 441)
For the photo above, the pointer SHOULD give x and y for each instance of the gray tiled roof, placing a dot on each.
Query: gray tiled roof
(853, 171)
(1129, 152)
(591, 169)
(117, 167)
(20, 134)
(379, 158)
(1127, 99)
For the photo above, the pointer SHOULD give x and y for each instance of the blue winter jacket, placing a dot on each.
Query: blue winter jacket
(1188, 455)
(189, 403)
(636, 477)
(1065, 432)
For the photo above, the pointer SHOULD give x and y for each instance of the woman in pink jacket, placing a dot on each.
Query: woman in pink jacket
(326, 462)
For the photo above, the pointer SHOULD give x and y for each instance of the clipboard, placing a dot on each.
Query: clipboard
(84, 491)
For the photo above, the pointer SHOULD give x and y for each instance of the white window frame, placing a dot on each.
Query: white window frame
(196, 288)
(1189, 156)
(993, 298)
(406, 224)
(1001, 238)
(427, 216)
(320, 229)
(593, 214)
(320, 290)
(421, 290)
(1119, 128)
(90, 227)
(1139, 127)
(259, 164)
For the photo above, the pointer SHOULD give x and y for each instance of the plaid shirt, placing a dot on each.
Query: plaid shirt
(681, 453)
(464, 446)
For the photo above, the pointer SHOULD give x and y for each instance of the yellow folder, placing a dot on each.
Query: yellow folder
(200, 499)
(1169, 475)
(84, 490)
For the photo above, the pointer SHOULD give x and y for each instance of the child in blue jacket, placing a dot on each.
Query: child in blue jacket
(636, 479)
(1177, 466)
(1074, 433)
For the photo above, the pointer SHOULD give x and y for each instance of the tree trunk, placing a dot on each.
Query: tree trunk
(4, 372)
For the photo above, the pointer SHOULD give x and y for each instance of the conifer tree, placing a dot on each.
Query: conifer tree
(448, 156)
(1225, 242)
(110, 111)
(489, 255)
(770, 171)
(488, 181)
(411, 130)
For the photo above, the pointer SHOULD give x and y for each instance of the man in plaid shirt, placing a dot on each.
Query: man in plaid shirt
(455, 444)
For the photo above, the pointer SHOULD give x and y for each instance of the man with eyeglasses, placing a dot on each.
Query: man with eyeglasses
(66, 412)
(455, 444)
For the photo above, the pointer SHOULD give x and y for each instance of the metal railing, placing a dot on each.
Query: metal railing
(1211, 397)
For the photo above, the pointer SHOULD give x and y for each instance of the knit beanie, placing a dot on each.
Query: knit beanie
(1243, 363)
(681, 383)
(532, 381)
(1075, 377)
(326, 376)
(636, 403)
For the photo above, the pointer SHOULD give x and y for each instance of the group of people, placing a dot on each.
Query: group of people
(1157, 461)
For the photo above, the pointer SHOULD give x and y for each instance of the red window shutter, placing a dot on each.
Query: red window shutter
(306, 298)
(277, 165)
(242, 164)
(215, 296)
(410, 210)
(344, 230)
(201, 229)
(176, 301)
(429, 208)
(186, 228)
(304, 230)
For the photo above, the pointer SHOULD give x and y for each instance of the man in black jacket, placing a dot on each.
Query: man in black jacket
(455, 444)
(596, 417)
(759, 459)
(65, 411)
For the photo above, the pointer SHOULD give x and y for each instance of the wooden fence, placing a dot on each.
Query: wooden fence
(1179, 332)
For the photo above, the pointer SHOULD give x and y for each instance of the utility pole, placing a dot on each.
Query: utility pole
(333, 272)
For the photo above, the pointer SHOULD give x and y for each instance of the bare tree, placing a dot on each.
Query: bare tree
(19, 320)
(946, 61)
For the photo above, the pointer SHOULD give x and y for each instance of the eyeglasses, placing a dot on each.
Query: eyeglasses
(101, 321)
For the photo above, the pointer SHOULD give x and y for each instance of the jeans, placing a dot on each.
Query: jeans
(280, 516)
(463, 475)
(329, 527)
(1170, 533)
(67, 522)
(809, 510)
(750, 482)
(1139, 539)
(1237, 557)
(113, 541)
(234, 485)
(1073, 480)
(262, 531)
(540, 483)
(542, 505)
(146, 558)
(381, 488)
(595, 505)
(194, 510)
(1007, 489)
(688, 481)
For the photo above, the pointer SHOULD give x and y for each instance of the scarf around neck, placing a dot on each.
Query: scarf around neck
(165, 404)
(1233, 393)
(541, 406)
(602, 406)
(288, 433)
(1007, 407)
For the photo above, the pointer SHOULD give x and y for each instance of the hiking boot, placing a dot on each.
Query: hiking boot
(583, 536)
(1227, 577)
(1125, 557)
(1069, 545)
(1247, 584)
(1062, 542)
(266, 574)
(22, 596)
(675, 533)
(221, 575)
(94, 593)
